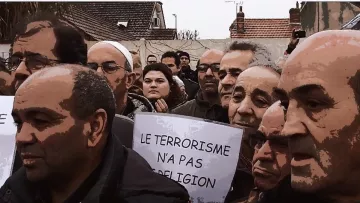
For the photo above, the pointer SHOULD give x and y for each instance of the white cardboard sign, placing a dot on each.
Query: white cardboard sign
(200, 155)
(7, 138)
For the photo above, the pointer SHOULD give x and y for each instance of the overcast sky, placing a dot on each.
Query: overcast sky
(212, 18)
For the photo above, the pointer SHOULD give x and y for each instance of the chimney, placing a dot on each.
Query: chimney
(240, 21)
(295, 15)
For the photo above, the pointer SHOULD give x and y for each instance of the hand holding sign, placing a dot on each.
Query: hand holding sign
(190, 152)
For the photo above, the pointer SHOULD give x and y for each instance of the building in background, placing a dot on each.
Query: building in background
(249, 28)
(319, 16)
(141, 19)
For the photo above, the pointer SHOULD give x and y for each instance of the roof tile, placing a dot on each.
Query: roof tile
(96, 27)
(138, 14)
(264, 28)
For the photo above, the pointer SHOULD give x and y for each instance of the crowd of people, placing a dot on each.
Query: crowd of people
(74, 106)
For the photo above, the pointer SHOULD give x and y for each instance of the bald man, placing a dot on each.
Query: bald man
(115, 62)
(319, 88)
(206, 103)
(64, 117)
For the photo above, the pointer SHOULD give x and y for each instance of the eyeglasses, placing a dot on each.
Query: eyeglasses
(215, 67)
(151, 62)
(107, 67)
(32, 62)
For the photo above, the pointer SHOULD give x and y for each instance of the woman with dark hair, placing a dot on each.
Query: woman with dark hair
(160, 88)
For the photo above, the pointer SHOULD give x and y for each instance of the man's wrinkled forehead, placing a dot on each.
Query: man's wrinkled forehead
(211, 56)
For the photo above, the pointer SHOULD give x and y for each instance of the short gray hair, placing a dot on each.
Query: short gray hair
(262, 56)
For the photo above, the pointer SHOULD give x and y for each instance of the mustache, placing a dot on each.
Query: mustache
(268, 166)
(249, 120)
(226, 88)
(210, 80)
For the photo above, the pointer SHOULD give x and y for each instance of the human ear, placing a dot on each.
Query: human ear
(130, 80)
(98, 123)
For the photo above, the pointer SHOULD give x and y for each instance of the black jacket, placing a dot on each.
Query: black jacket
(200, 108)
(188, 73)
(123, 177)
(283, 193)
(191, 88)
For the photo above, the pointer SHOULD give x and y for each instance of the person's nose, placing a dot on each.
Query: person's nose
(209, 72)
(153, 84)
(99, 70)
(293, 123)
(227, 81)
(245, 107)
(264, 153)
(22, 72)
(25, 135)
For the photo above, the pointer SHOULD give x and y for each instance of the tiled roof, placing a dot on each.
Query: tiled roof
(137, 14)
(264, 28)
(96, 27)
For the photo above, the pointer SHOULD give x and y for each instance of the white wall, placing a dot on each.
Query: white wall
(196, 48)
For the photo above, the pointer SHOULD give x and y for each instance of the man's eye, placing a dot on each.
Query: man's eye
(313, 104)
(222, 75)
(235, 74)
(261, 103)
(237, 98)
(40, 122)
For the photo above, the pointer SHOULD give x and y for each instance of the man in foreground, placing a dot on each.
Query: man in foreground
(64, 116)
(43, 41)
(206, 103)
(319, 88)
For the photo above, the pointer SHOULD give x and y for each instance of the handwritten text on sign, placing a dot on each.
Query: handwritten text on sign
(200, 155)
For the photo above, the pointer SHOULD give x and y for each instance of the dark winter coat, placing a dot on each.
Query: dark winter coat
(123, 177)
